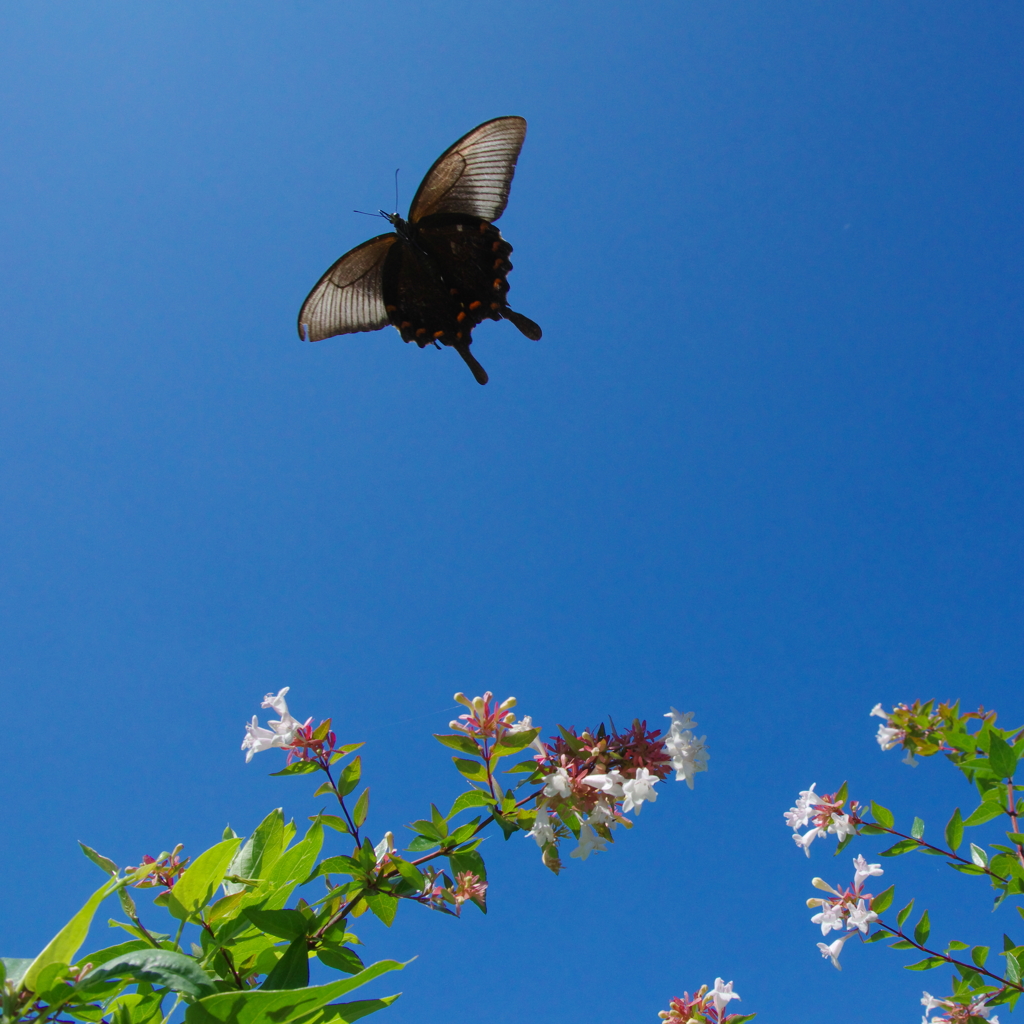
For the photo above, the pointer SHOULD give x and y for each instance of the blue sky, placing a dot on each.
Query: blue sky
(765, 464)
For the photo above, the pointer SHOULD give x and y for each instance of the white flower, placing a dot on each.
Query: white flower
(281, 732)
(602, 814)
(542, 831)
(863, 871)
(525, 723)
(833, 950)
(830, 918)
(637, 790)
(721, 994)
(610, 783)
(888, 737)
(804, 841)
(861, 917)
(840, 825)
(800, 815)
(877, 710)
(681, 721)
(590, 842)
(929, 1002)
(557, 784)
(910, 759)
(689, 755)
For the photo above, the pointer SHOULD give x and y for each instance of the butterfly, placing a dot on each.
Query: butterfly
(444, 270)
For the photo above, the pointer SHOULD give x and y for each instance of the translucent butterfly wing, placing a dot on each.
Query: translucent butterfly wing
(474, 175)
(348, 298)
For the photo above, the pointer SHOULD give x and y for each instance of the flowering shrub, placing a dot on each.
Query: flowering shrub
(988, 757)
(240, 954)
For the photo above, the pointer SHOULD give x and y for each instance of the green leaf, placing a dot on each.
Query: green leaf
(104, 863)
(362, 808)
(282, 924)
(985, 811)
(955, 831)
(13, 968)
(259, 852)
(471, 798)
(882, 815)
(345, 1013)
(881, 903)
(1013, 968)
(868, 829)
(512, 743)
(1016, 838)
(1001, 757)
(902, 944)
(350, 776)
(199, 882)
(922, 930)
(295, 864)
(468, 861)
(66, 943)
(460, 742)
(472, 770)
(903, 846)
(979, 856)
(384, 905)
(426, 828)
(421, 844)
(741, 1018)
(339, 865)
(438, 821)
(158, 967)
(258, 1006)
(298, 768)
(917, 829)
(99, 957)
(966, 869)
(463, 832)
(340, 959)
(409, 872)
(902, 916)
(927, 964)
(332, 821)
(979, 954)
(292, 970)
(956, 944)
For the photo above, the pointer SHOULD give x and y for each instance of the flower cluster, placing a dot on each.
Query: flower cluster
(299, 739)
(824, 814)
(955, 1013)
(703, 1006)
(592, 780)
(164, 870)
(488, 720)
(923, 728)
(845, 907)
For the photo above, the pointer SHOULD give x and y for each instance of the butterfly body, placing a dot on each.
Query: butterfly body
(443, 271)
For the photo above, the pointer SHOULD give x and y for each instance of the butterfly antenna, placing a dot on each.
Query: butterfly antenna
(365, 214)
(397, 169)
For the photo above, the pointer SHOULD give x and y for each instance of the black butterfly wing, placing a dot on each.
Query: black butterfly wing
(474, 175)
(349, 297)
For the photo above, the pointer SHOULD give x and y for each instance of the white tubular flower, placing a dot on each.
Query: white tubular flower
(636, 791)
(840, 826)
(611, 783)
(281, 732)
(888, 738)
(910, 759)
(681, 721)
(384, 847)
(542, 831)
(689, 755)
(525, 723)
(804, 841)
(602, 814)
(879, 712)
(590, 842)
(833, 950)
(721, 994)
(863, 871)
(930, 1003)
(800, 815)
(557, 784)
(861, 917)
(830, 918)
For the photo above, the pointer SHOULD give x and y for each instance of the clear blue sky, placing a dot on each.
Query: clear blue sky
(765, 465)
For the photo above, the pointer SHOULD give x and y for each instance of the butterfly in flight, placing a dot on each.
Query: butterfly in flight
(444, 270)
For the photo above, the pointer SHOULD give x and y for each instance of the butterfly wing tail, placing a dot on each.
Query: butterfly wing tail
(478, 371)
(524, 323)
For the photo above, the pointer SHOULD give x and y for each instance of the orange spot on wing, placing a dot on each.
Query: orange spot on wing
(438, 334)
(475, 305)
(461, 316)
